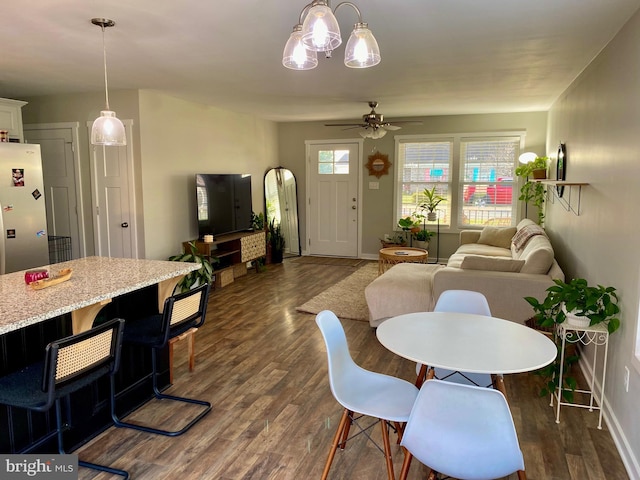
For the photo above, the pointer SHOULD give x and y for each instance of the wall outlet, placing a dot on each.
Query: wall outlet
(626, 379)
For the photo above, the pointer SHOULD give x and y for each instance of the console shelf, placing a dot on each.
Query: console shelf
(233, 251)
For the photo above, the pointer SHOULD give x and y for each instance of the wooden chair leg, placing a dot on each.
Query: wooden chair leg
(400, 429)
(387, 449)
(192, 359)
(406, 464)
(433, 475)
(334, 445)
(421, 375)
(522, 475)
(346, 430)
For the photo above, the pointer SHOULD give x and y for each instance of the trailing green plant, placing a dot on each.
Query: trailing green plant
(408, 223)
(532, 191)
(598, 303)
(198, 277)
(526, 169)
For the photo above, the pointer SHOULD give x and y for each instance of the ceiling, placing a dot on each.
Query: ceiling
(438, 56)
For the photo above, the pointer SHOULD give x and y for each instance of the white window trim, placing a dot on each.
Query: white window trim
(455, 139)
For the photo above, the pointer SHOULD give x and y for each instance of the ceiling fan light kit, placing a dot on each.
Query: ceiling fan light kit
(319, 32)
(107, 129)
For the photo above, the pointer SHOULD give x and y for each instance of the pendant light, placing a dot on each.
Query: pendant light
(107, 129)
(296, 55)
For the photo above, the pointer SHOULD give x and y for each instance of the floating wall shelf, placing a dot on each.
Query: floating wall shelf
(565, 200)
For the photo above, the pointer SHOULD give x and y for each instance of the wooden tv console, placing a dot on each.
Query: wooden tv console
(233, 250)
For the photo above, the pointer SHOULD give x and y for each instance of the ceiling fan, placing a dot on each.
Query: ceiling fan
(373, 124)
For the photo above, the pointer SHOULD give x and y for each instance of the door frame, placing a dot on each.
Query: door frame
(307, 147)
(74, 127)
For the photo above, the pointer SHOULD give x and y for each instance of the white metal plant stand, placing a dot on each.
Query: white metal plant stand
(597, 335)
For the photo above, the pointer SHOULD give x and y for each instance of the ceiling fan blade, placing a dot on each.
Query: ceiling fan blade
(407, 122)
(392, 127)
(344, 125)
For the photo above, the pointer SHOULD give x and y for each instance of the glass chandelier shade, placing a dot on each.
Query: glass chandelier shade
(320, 30)
(375, 133)
(107, 129)
(362, 49)
(296, 55)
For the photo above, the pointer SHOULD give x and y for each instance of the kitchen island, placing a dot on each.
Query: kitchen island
(99, 289)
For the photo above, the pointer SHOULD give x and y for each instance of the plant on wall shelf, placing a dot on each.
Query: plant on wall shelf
(532, 191)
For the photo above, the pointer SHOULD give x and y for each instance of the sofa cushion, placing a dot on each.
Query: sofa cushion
(495, 264)
(497, 236)
(481, 249)
(537, 255)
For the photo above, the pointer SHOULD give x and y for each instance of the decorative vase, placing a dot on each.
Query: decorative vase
(576, 320)
(432, 216)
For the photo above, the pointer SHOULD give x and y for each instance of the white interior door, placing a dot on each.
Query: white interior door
(333, 206)
(114, 220)
(61, 171)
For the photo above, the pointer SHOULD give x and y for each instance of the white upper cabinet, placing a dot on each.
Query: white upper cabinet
(11, 118)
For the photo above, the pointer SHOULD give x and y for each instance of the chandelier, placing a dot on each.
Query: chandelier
(318, 31)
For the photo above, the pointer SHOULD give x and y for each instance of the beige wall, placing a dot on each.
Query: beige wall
(83, 108)
(378, 204)
(173, 140)
(179, 139)
(598, 118)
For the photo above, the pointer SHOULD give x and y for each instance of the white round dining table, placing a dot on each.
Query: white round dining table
(466, 342)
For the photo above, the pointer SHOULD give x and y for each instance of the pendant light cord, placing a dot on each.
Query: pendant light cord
(104, 56)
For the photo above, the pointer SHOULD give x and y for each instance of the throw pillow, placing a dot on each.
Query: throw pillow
(521, 238)
(497, 236)
(495, 264)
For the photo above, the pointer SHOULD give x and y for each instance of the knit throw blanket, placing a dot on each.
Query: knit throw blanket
(523, 235)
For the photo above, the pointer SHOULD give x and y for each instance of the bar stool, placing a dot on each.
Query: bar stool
(182, 312)
(69, 365)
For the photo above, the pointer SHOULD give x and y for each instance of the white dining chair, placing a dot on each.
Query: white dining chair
(462, 431)
(362, 392)
(460, 301)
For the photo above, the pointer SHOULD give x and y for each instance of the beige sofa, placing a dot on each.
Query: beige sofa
(506, 264)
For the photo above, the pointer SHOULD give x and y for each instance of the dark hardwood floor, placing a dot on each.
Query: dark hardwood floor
(263, 367)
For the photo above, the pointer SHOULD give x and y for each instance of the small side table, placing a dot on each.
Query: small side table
(392, 255)
(597, 335)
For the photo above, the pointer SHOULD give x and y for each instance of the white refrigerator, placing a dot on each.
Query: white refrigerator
(23, 219)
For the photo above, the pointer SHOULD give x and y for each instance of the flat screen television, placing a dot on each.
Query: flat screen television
(223, 203)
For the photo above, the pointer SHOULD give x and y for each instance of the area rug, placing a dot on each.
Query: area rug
(335, 261)
(345, 298)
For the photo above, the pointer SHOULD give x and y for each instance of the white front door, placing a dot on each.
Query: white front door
(60, 167)
(114, 219)
(333, 206)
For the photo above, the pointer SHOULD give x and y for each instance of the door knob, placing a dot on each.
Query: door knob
(124, 225)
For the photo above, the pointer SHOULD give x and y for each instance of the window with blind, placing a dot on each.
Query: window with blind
(474, 172)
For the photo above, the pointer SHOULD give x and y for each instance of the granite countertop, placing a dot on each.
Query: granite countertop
(94, 279)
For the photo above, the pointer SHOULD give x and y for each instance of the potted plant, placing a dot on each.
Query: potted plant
(532, 191)
(276, 241)
(198, 277)
(421, 238)
(431, 202)
(257, 221)
(536, 168)
(574, 301)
